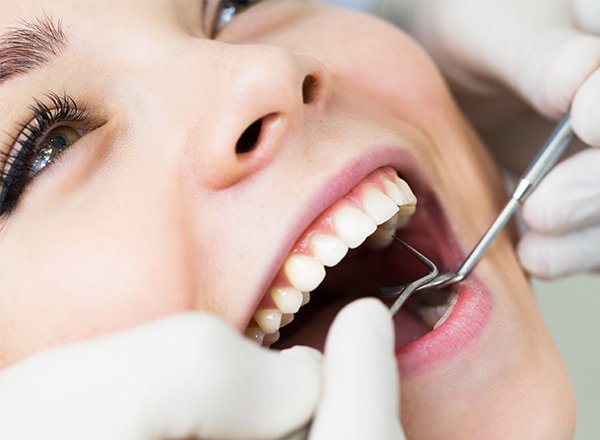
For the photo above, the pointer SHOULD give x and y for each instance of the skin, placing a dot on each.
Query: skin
(153, 213)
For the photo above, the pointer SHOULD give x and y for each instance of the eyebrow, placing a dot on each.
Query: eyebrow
(29, 46)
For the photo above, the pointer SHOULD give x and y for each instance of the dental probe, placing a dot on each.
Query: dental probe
(406, 291)
(543, 162)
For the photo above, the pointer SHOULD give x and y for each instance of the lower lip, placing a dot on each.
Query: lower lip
(465, 324)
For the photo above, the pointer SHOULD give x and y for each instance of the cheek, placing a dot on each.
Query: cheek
(388, 67)
(62, 285)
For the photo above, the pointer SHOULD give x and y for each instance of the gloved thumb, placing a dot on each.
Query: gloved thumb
(190, 375)
(361, 389)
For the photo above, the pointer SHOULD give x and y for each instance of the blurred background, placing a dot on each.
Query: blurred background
(569, 307)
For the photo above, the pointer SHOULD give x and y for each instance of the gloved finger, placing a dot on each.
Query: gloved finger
(550, 70)
(534, 51)
(190, 375)
(549, 257)
(568, 198)
(227, 387)
(585, 111)
(361, 398)
(587, 15)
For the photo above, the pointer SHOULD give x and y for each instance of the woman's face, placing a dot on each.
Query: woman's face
(173, 171)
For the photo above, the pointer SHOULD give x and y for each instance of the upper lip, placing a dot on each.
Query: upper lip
(335, 185)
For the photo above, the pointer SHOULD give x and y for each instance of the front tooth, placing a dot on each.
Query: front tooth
(328, 249)
(287, 299)
(255, 334)
(378, 206)
(269, 320)
(353, 226)
(304, 273)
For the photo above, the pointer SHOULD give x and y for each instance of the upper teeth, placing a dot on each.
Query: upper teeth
(352, 225)
(381, 199)
(287, 299)
(328, 249)
(304, 272)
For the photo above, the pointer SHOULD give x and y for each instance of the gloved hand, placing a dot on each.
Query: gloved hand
(180, 377)
(546, 53)
(564, 215)
(361, 390)
(192, 375)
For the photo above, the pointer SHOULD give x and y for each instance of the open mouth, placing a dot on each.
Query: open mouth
(353, 239)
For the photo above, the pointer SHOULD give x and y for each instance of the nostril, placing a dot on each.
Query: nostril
(249, 138)
(310, 87)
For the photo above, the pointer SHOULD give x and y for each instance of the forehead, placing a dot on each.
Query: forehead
(97, 13)
(46, 28)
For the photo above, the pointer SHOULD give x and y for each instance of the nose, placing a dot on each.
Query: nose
(262, 96)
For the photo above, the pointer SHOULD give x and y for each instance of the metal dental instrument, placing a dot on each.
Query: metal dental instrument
(543, 162)
(407, 291)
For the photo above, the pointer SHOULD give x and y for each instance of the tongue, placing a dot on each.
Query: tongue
(310, 327)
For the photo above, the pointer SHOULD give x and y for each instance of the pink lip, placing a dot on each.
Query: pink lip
(464, 325)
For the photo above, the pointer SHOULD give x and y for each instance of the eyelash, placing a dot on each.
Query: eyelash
(17, 165)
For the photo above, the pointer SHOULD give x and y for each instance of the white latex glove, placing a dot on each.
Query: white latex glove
(193, 376)
(184, 376)
(564, 215)
(547, 52)
(361, 394)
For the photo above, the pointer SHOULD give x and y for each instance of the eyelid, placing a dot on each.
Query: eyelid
(62, 109)
(214, 30)
(15, 165)
(36, 114)
(209, 17)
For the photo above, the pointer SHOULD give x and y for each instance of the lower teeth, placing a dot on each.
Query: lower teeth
(434, 316)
